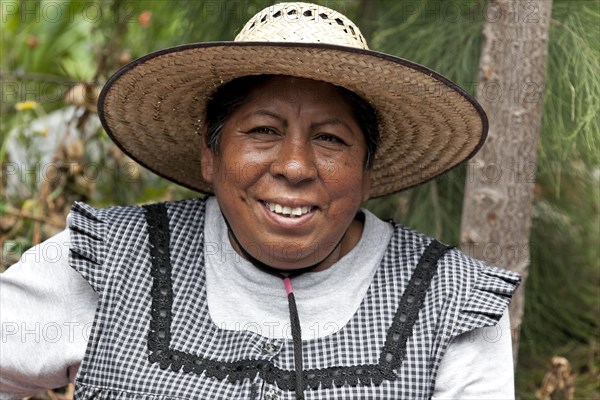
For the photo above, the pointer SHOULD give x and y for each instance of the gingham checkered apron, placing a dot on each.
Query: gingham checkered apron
(153, 338)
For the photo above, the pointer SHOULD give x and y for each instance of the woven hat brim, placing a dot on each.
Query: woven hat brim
(153, 107)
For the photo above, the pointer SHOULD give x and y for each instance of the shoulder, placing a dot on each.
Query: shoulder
(453, 263)
(124, 214)
(109, 235)
(93, 228)
(477, 293)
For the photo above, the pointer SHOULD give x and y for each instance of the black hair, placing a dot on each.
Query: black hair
(229, 97)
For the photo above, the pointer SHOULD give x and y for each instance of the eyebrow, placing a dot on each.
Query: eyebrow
(271, 114)
(331, 121)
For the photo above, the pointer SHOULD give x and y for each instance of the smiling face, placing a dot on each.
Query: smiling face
(289, 175)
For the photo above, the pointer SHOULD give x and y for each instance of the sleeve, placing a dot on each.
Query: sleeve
(88, 231)
(46, 313)
(478, 365)
(486, 301)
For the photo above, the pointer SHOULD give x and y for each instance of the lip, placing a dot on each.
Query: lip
(289, 222)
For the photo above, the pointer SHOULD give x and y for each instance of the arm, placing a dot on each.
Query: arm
(478, 365)
(46, 312)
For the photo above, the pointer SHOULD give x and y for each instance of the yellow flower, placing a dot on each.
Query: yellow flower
(43, 132)
(26, 105)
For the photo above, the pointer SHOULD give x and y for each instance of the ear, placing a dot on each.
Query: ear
(207, 160)
(366, 189)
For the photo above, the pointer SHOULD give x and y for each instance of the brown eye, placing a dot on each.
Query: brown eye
(263, 130)
(330, 138)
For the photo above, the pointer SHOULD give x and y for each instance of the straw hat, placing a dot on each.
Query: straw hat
(153, 108)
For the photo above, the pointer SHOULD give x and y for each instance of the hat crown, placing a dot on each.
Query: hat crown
(302, 23)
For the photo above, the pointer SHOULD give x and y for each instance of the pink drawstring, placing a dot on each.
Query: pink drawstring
(288, 285)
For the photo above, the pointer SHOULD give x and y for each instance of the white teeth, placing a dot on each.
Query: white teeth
(286, 210)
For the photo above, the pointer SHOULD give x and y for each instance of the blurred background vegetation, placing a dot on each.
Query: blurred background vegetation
(55, 57)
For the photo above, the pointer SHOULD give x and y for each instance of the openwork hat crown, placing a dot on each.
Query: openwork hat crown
(302, 23)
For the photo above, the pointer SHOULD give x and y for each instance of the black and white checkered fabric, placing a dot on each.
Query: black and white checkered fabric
(110, 249)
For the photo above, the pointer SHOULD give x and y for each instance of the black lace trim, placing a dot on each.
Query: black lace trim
(159, 336)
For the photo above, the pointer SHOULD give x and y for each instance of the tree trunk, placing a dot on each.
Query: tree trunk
(499, 192)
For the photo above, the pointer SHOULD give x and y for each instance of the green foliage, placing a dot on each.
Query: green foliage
(572, 100)
(562, 309)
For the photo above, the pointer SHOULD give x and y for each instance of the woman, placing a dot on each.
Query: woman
(279, 286)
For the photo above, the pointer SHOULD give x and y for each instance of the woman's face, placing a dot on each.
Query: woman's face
(289, 175)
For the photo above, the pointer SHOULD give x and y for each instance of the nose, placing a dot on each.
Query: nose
(295, 161)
